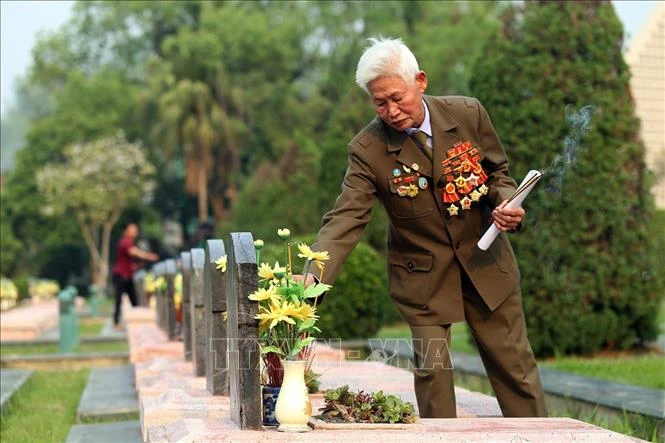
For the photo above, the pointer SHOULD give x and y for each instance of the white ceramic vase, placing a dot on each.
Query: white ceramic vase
(293, 408)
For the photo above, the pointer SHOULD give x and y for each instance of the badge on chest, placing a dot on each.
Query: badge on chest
(464, 176)
(407, 181)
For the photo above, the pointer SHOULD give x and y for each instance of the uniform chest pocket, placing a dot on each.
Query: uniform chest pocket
(404, 206)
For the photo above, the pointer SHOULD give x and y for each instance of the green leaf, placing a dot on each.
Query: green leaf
(316, 289)
(306, 324)
(300, 343)
(270, 348)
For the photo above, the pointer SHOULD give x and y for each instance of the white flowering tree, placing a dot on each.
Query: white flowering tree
(93, 185)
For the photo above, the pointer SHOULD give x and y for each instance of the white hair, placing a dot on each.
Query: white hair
(385, 57)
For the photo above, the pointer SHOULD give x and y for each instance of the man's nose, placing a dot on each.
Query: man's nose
(393, 110)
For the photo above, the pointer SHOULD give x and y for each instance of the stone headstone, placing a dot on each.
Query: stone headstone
(158, 270)
(214, 294)
(170, 271)
(197, 311)
(243, 329)
(139, 277)
(186, 305)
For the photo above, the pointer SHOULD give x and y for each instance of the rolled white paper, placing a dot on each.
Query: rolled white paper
(513, 202)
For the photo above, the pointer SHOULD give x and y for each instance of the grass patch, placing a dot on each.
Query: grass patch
(644, 370)
(44, 408)
(639, 369)
(91, 326)
(25, 349)
(460, 335)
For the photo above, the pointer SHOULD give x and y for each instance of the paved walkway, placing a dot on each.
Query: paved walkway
(28, 322)
(175, 407)
(120, 432)
(110, 392)
(10, 381)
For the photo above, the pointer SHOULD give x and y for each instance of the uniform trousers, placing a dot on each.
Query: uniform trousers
(502, 342)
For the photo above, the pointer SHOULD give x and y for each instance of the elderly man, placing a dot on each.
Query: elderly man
(438, 167)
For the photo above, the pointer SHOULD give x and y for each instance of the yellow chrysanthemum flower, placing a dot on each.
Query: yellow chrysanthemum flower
(317, 257)
(265, 294)
(305, 311)
(221, 264)
(276, 313)
(268, 273)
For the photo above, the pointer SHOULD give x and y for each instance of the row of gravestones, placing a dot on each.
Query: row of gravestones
(225, 352)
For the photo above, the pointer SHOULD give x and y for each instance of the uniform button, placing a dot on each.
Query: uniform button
(458, 245)
(409, 265)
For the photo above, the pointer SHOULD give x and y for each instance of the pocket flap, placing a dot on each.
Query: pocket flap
(421, 261)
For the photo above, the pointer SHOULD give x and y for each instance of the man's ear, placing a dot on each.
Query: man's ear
(421, 81)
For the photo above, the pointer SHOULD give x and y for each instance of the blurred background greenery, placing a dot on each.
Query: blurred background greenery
(245, 109)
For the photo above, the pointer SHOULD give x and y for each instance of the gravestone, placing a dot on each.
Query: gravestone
(214, 295)
(186, 258)
(170, 323)
(158, 270)
(139, 277)
(243, 332)
(196, 308)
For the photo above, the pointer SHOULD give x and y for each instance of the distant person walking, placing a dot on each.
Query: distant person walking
(125, 264)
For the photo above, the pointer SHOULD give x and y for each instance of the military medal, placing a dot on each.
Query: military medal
(422, 183)
(464, 177)
(415, 166)
(396, 172)
(406, 168)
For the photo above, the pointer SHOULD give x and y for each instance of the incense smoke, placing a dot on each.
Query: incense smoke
(580, 124)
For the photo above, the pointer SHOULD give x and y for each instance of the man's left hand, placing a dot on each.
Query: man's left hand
(507, 219)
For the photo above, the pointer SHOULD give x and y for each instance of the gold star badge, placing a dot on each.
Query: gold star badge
(475, 195)
(483, 189)
(466, 203)
(452, 210)
(460, 181)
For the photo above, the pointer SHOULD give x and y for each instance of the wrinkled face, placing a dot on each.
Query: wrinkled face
(398, 103)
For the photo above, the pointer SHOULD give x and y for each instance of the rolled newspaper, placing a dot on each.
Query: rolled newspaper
(515, 201)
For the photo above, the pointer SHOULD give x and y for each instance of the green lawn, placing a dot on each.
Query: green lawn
(91, 326)
(460, 341)
(643, 370)
(44, 408)
(120, 346)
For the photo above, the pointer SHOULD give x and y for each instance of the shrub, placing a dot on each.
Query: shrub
(591, 262)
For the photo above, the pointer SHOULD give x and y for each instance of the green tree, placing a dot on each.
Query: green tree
(592, 267)
(94, 184)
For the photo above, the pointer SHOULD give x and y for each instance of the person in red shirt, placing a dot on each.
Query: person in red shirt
(125, 264)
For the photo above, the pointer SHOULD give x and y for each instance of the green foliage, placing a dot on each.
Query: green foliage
(592, 267)
(284, 195)
(342, 405)
(312, 381)
(358, 305)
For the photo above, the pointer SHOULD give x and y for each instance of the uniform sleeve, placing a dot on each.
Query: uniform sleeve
(343, 226)
(501, 185)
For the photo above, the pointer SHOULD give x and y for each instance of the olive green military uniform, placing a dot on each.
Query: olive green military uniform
(438, 275)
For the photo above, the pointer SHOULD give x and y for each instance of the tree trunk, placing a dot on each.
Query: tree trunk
(203, 191)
